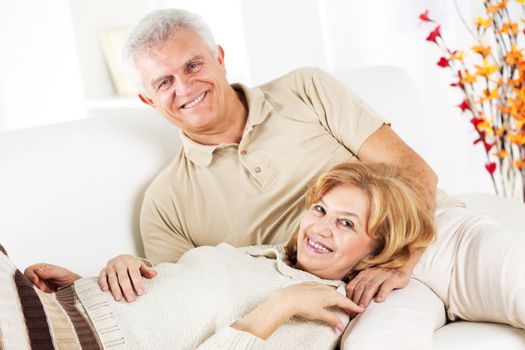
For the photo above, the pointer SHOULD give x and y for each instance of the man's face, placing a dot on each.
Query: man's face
(185, 83)
(333, 235)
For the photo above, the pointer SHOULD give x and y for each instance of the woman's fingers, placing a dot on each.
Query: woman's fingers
(346, 304)
(332, 319)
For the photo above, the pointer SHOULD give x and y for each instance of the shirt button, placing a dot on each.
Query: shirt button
(257, 170)
(243, 152)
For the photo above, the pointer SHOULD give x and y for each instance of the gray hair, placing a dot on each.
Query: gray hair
(156, 28)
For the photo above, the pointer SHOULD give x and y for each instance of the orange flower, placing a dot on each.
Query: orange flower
(514, 56)
(489, 95)
(484, 51)
(467, 78)
(487, 69)
(519, 163)
(509, 26)
(500, 131)
(501, 154)
(484, 22)
(482, 125)
(518, 139)
(457, 55)
(503, 109)
(498, 7)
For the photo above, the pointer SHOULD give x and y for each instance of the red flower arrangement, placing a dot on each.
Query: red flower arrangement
(492, 80)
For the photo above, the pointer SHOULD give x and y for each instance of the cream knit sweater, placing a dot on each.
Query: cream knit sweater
(192, 303)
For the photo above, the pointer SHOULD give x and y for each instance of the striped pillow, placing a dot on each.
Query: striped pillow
(32, 319)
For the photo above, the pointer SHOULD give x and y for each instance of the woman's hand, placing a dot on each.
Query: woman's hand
(376, 282)
(307, 300)
(49, 278)
(123, 276)
(312, 300)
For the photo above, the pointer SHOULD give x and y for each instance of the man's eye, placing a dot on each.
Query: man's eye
(346, 223)
(193, 66)
(163, 84)
(319, 209)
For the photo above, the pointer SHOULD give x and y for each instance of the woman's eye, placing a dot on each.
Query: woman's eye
(319, 209)
(346, 223)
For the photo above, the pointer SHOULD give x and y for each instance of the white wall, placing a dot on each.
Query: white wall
(282, 38)
(92, 17)
(262, 40)
(40, 79)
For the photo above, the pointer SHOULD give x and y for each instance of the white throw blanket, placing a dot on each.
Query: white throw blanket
(192, 303)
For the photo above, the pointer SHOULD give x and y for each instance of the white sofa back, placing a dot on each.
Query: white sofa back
(70, 193)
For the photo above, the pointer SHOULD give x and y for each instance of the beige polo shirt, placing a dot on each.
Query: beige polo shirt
(298, 127)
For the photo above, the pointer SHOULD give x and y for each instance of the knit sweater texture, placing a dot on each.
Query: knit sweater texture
(191, 304)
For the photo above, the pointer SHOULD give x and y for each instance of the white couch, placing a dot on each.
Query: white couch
(70, 193)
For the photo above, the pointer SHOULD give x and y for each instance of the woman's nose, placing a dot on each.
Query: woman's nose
(323, 228)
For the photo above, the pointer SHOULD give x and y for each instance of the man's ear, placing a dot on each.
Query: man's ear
(220, 56)
(147, 100)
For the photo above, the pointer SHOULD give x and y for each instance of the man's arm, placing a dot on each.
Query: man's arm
(386, 146)
(161, 233)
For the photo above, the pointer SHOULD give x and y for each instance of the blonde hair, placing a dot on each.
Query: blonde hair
(399, 221)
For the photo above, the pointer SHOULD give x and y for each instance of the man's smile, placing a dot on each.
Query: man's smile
(195, 102)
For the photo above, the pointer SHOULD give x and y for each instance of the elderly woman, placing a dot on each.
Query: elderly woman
(277, 297)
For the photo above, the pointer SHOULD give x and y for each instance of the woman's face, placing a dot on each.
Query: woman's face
(332, 235)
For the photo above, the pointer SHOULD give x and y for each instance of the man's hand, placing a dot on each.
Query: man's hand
(376, 282)
(123, 276)
(49, 278)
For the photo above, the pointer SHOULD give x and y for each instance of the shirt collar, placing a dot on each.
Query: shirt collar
(258, 111)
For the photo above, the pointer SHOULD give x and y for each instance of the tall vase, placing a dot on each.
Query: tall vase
(509, 181)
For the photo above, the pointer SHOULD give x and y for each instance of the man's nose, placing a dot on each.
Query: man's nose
(183, 85)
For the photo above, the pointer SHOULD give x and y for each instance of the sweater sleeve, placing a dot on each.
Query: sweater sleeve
(232, 339)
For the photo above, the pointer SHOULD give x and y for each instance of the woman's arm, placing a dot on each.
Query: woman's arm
(307, 300)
